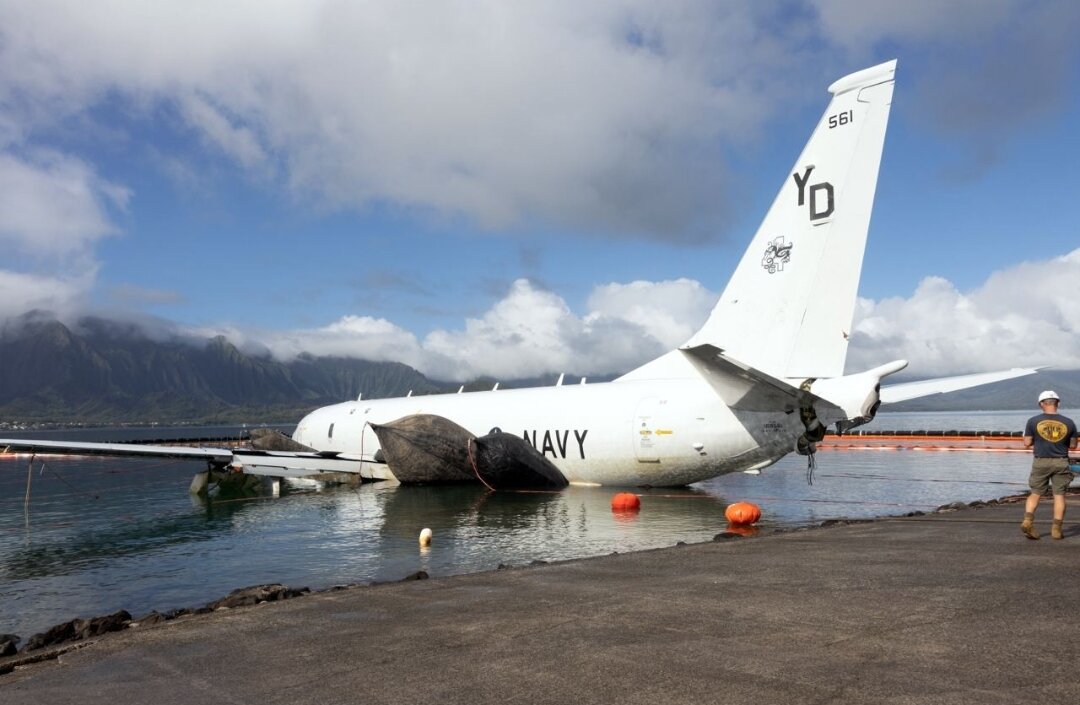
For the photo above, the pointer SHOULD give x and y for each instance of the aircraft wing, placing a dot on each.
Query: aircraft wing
(254, 462)
(26, 445)
(903, 391)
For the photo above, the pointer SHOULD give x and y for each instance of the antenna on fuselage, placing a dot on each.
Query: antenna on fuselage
(461, 389)
(409, 394)
(559, 382)
(496, 387)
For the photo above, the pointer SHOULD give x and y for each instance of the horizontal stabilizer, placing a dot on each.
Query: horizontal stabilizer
(893, 393)
(744, 388)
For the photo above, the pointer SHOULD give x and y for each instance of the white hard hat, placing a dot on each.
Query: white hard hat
(1048, 394)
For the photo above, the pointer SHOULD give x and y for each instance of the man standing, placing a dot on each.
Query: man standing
(1053, 435)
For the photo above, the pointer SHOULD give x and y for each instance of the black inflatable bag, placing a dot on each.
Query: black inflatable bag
(424, 448)
(506, 461)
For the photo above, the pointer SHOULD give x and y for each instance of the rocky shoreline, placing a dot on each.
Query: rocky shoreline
(77, 633)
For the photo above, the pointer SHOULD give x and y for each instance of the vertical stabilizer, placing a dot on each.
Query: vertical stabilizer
(788, 308)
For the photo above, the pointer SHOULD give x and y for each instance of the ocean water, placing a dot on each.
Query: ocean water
(101, 534)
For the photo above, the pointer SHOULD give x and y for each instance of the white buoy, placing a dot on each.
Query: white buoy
(425, 537)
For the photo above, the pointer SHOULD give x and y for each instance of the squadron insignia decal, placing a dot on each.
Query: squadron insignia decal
(1051, 430)
(777, 254)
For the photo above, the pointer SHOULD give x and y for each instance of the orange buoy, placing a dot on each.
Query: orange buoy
(744, 513)
(625, 502)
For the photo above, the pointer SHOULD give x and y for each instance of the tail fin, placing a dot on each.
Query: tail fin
(788, 307)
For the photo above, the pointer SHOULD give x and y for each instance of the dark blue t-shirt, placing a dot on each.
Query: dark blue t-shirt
(1052, 434)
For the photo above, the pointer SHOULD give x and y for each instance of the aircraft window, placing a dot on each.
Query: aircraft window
(330, 433)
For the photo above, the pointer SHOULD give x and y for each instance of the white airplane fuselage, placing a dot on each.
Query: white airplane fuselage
(623, 433)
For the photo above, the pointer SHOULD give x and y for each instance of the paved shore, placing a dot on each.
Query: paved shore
(945, 608)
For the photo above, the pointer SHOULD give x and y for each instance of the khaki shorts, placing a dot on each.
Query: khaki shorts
(1049, 472)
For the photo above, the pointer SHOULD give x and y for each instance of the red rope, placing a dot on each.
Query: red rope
(472, 461)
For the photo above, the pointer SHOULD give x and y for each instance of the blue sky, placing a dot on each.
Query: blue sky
(516, 189)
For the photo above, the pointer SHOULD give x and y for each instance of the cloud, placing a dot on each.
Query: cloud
(610, 117)
(671, 311)
(858, 24)
(236, 141)
(53, 204)
(528, 332)
(53, 209)
(617, 118)
(532, 331)
(64, 297)
(360, 337)
(1020, 317)
(996, 65)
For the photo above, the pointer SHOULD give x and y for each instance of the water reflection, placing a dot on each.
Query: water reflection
(63, 552)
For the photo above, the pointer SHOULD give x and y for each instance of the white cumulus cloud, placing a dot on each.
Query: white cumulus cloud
(532, 331)
(53, 204)
(671, 311)
(63, 296)
(1022, 316)
(360, 337)
(607, 116)
(529, 332)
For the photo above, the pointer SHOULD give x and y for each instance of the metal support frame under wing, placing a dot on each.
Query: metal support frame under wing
(286, 464)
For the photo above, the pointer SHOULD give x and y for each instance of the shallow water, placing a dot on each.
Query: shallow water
(104, 534)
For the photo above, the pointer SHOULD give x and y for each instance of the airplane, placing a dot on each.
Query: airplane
(762, 378)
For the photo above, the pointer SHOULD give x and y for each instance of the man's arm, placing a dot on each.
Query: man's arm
(1028, 442)
(1029, 432)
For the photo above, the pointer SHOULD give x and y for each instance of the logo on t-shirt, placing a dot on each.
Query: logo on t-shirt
(1051, 430)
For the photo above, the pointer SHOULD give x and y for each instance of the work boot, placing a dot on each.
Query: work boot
(1028, 526)
(1055, 529)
